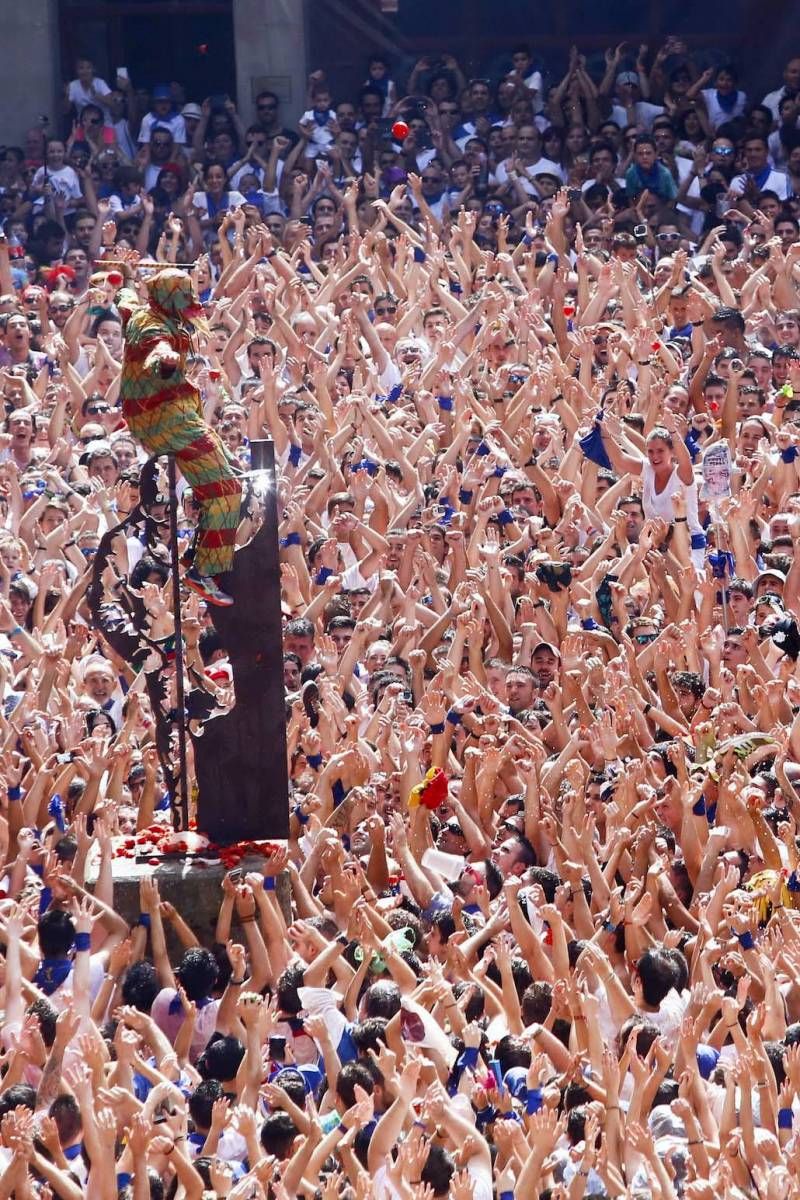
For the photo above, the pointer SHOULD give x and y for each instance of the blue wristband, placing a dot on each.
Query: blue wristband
(15, 792)
(123, 1179)
(505, 517)
(338, 792)
(789, 454)
(394, 394)
(269, 883)
(83, 941)
(785, 1118)
(468, 1058)
(445, 403)
(792, 883)
(294, 455)
(301, 816)
(144, 920)
(291, 539)
(534, 1102)
(465, 496)
(454, 717)
(699, 809)
(438, 727)
(589, 623)
(322, 574)
(483, 450)
(746, 940)
(314, 761)
(506, 1196)
(498, 472)
(419, 255)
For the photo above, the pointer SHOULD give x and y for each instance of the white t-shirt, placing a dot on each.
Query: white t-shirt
(775, 182)
(64, 181)
(81, 96)
(659, 504)
(319, 135)
(718, 115)
(174, 123)
(646, 113)
(200, 203)
(544, 166)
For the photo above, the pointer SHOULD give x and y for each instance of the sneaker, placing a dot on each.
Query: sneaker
(206, 586)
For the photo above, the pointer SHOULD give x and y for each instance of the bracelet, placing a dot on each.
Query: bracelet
(454, 717)
(236, 982)
(438, 727)
(15, 631)
(647, 708)
(83, 942)
(680, 520)
(291, 539)
(144, 920)
(343, 1128)
(613, 1108)
(246, 920)
(696, 1142)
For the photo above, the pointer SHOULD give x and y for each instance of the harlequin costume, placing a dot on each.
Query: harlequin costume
(163, 410)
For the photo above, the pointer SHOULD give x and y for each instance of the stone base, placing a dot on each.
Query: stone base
(194, 890)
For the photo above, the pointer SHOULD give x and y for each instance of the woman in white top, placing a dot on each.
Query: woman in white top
(665, 468)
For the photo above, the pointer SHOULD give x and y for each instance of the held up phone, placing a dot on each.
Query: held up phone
(218, 100)
(640, 233)
(277, 1048)
(236, 875)
(122, 73)
(108, 136)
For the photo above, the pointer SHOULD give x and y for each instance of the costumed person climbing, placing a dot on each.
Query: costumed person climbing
(164, 411)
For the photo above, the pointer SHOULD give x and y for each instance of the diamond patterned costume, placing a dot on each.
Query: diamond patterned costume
(163, 410)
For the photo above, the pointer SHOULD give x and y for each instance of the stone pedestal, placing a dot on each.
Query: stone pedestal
(196, 892)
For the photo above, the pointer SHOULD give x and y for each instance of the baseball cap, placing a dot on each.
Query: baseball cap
(627, 77)
(162, 91)
(192, 110)
(707, 1059)
(548, 175)
(547, 646)
(771, 573)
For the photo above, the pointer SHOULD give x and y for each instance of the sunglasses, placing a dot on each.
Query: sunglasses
(95, 411)
(642, 639)
(725, 151)
(668, 237)
(60, 308)
(383, 311)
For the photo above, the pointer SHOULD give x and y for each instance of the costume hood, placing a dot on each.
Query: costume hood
(172, 292)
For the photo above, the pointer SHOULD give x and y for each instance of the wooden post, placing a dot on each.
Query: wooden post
(240, 755)
(180, 698)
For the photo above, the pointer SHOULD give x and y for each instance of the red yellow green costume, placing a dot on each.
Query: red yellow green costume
(163, 410)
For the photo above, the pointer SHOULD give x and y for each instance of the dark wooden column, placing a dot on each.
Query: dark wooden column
(240, 756)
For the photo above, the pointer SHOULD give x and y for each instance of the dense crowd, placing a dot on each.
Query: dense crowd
(529, 352)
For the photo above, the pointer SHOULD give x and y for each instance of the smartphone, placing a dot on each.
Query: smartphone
(122, 73)
(80, 134)
(109, 137)
(574, 194)
(640, 232)
(277, 1048)
(218, 100)
(236, 875)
